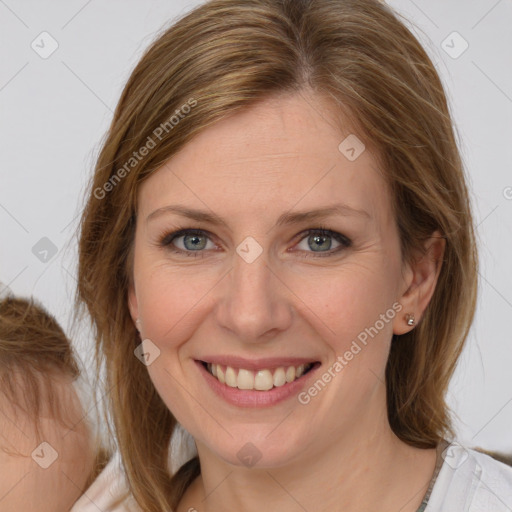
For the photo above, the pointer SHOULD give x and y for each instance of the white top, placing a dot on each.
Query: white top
(469, 481)
(109, 485)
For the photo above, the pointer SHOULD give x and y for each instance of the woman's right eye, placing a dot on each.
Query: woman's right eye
(190, 242)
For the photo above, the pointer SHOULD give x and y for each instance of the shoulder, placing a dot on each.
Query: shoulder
(470, 481)
(106, 493)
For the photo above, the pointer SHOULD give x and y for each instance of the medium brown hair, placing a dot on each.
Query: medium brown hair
(225, 56)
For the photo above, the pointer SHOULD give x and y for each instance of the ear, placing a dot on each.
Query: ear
(420, 279)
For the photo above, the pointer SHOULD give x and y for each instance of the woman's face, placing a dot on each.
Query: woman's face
(256, 286)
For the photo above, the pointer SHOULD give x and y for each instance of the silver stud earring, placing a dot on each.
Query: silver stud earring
(409, 318)
(137, 323)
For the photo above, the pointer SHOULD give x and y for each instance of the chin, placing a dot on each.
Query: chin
(256, 449)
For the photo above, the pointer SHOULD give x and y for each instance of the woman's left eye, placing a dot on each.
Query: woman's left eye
(322, 239)
(193, 242)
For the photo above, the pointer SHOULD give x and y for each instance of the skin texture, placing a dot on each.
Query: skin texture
(337, 452)
(24, 484)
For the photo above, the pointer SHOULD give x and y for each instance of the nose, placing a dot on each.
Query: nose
(254, 306)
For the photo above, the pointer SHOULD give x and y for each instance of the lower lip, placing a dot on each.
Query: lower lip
(254, 398)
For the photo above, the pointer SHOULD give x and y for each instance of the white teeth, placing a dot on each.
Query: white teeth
(279, 377)
(231, 380)
(245, 379)
(261, 380)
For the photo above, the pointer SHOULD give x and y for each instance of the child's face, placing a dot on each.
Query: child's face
(47, 472)
(260, 288)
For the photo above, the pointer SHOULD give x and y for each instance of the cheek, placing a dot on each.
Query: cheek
(347, 302)
(170, 300)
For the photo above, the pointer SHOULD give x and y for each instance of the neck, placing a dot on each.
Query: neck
(342, 474)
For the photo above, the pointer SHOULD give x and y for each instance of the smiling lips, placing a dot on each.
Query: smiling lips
(261, 380)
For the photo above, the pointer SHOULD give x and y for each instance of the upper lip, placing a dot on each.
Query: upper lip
(257, 364)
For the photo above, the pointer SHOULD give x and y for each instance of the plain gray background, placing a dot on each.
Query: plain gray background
(55, 111)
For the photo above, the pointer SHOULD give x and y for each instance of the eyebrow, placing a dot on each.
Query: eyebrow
(288, 218)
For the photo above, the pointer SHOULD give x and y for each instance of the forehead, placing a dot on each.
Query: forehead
(284, 152)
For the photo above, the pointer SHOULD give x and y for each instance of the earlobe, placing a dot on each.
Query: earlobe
(423, 274)
(410, 319)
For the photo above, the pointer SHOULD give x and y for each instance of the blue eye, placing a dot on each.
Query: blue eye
(322, 239)
(193, 242)
(188, 241)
